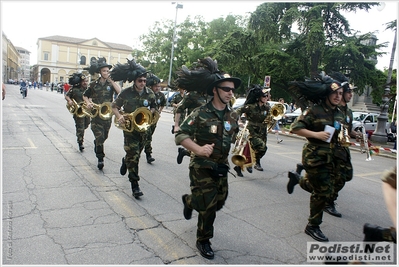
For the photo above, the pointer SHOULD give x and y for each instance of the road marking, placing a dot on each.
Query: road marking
(32, 145)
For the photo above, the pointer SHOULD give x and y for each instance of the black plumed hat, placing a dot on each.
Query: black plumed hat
(313, 91)
(202, 77)
(76, 78)
(92, 69)
(152, 80)
(255, 91)
(101, 63)
(129, 71)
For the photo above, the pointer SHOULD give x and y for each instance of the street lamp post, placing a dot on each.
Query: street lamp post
(173, 42)
(380, 134)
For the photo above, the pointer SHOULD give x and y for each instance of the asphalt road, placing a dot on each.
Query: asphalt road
(58, 208)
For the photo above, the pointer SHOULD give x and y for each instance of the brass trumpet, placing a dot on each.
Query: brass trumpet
(138, 120)
(343, 137)
(239, 157)
(93, 112)
(276, 112)
(105, 111)
(76, 109)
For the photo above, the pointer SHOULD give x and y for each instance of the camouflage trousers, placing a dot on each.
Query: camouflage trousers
(100, 129)
(259, 145)
(321, 180)
(81, 125)
(150, 132)
(208, 195)
(133, 144)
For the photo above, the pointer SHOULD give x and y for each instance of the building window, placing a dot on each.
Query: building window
(45, 56)
(82, 60)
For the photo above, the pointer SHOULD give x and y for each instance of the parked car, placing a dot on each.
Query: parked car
(239, 102)
(291, 116)
(369, 120)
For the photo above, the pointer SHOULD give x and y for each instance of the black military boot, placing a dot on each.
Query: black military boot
(136, 192)
(299, 168)
(100, 164)
(238, 170)
(173, 129)
(375, 233)
(181, 153)
(330, 209)
(187, 212)
(257, 165)
(81, 147)
(315, 232)
(205, 249)
(123, 168)
(249, 169)
(149, 158)
(294, 180)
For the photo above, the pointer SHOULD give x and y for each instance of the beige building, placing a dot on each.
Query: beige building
(24, 63)
(11, 57)
(60, 56)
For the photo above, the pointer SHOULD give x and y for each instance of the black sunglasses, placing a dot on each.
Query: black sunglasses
(226, 89)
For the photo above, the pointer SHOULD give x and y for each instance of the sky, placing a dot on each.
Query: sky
(23, 22)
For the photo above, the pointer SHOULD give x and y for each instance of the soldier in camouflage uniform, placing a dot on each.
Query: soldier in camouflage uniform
(207, 132)
(256, 110)
(130, 99)
(191, 100)
(99, 92)
(79, 85)
(177, 98)
(343, 156)
(318, 155)
(154, 83)
(342, 152)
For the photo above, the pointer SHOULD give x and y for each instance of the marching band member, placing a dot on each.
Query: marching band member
(256, 109)
(154, 83)
(130, 99)
(207, 132)
(99, 92)
(79, 84)
(320, 124)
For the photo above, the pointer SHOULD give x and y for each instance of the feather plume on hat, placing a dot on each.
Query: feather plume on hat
(199, 77)
(92, 69)
(309, 92)
(129, 71)
(76, 78)
(342, 79)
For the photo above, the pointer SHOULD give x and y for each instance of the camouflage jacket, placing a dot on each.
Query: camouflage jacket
(255, 115)
(131, 100)
(206, 126)
(76, 93)
(160, 99)
(316, 117)
(100, 93)
(348, 117)
(177, 98)
(191, 101)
